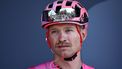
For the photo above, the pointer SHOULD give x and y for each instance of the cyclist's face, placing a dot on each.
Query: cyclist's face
(64, 39)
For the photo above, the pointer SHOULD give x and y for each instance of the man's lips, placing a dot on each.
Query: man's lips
(64, 46)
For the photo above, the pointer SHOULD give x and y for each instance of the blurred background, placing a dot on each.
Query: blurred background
(22, 40)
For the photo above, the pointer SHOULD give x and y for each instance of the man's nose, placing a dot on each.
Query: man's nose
(62, 36)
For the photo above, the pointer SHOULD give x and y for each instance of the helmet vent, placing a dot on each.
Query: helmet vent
(68, 3)
(77, 11)
(50, 6)
(59, 2)
(45, 16)
(85, 17)
(58, 8)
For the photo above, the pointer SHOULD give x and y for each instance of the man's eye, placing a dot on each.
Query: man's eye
(69, 30)
(53, 32)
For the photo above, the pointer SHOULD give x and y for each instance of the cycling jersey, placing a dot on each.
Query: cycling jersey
(50, 65)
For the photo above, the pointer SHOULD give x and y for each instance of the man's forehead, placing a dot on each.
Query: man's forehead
(58, 26)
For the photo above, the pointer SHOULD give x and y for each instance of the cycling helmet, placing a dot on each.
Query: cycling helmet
(64, 11)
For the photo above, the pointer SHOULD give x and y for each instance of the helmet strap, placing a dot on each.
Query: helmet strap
(78, 30)
(71, 58)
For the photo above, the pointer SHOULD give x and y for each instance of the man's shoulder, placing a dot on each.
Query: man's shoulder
(87, 67)
(42, 65)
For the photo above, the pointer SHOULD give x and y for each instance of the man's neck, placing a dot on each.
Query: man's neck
(74, 64)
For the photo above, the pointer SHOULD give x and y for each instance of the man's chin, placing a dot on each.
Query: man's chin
(67, 55)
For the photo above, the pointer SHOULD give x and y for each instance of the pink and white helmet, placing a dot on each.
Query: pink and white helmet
(64, 11)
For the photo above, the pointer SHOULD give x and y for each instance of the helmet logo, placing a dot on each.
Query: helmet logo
(64, 14)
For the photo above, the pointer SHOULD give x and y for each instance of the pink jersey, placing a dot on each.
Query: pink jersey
(50, 65)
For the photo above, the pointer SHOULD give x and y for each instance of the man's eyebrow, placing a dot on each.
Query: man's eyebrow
(52, 29)
(69, 27)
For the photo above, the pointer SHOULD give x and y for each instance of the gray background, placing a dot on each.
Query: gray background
(22, 41)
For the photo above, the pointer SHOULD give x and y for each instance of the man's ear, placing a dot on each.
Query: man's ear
(84, 32)
(47, 39)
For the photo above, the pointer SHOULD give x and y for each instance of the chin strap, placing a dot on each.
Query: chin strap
(71, 58)
(81, 67)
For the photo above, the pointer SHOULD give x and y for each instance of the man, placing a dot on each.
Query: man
(66, 23)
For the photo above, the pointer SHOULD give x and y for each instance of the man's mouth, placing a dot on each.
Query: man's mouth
(65, 46)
